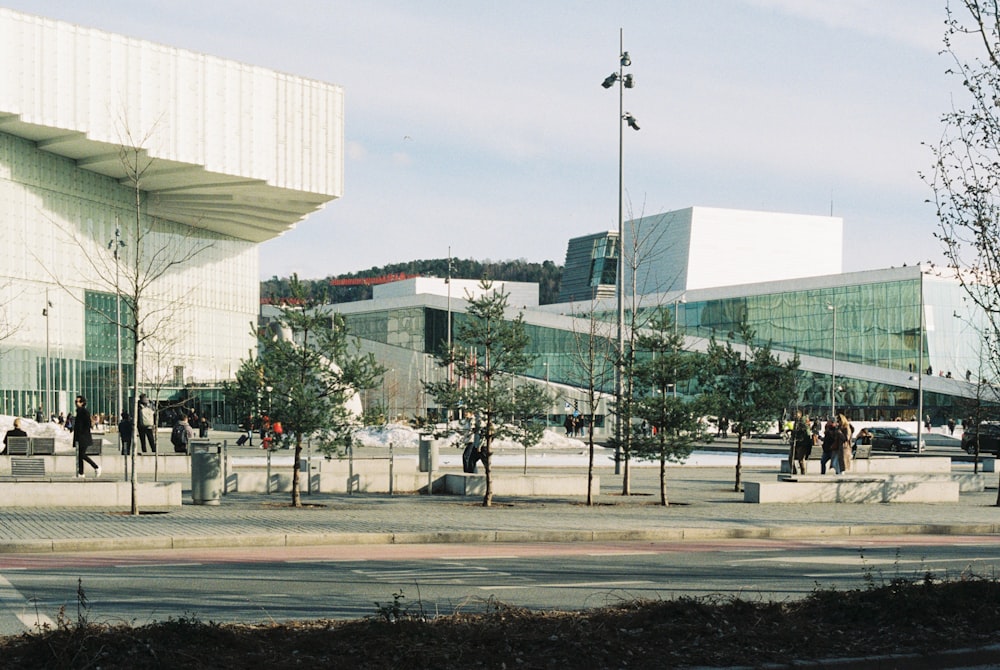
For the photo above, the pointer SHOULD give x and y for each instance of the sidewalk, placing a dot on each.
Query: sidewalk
(703, 505)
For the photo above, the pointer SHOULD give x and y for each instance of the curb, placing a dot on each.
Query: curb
(67, 545)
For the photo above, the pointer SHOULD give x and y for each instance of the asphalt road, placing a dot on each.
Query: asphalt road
(255, 585)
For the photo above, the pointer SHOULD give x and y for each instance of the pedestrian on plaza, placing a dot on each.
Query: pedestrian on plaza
(147, 424)
(830, 454)
(13, 432)
(125, 429)
(203, 427)
(845, 448)
(951, 426)
(816, 429)
(568, 425)
(927, 421)
(82, 438)
(723, 427)
(181, 435)
(801, 442)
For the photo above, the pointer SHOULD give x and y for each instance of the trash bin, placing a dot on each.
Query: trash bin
(427, 456)
(206, 473)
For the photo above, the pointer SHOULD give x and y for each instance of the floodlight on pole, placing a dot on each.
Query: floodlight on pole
(624, 81)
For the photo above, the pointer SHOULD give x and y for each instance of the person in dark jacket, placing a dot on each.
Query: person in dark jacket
(125, 430)
(82, 438)
(16, 431)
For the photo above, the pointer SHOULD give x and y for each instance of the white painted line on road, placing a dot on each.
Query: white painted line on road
(563, 585)
(599, 554)
(154, 564)
(840, 559)
(25, 611)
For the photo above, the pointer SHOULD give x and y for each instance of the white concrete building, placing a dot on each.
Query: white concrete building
(230, 155)
(705, 247)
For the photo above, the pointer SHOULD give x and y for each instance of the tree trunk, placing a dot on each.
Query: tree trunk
(296, 494)
(739, 460)
(663, 475)
(590, 465)
(486, 454)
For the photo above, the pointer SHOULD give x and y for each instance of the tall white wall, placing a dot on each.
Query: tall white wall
(231, 118)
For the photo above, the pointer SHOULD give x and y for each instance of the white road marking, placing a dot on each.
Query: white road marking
(563, 585)
(25, 611)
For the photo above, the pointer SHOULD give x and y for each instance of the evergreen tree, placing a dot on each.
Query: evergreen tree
(748, 385)
(306, 371)
(671, 423)
(488, 348)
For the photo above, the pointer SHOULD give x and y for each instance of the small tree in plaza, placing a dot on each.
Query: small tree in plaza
(673, 423)
(486, 348)
(305, 374)
(528, 425)
(747, 384)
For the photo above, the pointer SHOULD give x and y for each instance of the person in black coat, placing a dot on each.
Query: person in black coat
(16, 431)
(125, 430)
(82, 438)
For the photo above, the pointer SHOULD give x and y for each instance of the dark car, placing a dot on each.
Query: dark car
(892, 439)
(988, 434)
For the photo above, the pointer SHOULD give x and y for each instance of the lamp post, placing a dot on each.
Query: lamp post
(677, 303)
(624, 81)
(920, 364)
(48, 360)
(115, 245)
(833, 364)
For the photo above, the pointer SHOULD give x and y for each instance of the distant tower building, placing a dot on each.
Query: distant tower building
(590, 268)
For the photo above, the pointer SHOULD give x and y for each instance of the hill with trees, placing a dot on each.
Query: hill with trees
(546, 274)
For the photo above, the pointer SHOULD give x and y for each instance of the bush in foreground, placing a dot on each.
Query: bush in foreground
(899, 617)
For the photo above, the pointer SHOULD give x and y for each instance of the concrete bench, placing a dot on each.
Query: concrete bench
(847, 488)
(43, 446)
(87, 493)
(27, 466)
(19, 446)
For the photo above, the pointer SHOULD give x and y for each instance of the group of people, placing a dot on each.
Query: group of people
(836, 438)
(573, 425)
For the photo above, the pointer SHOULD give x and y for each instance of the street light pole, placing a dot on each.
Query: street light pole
(677, 302)
(624, 81)
(48, 361)
(833, 364)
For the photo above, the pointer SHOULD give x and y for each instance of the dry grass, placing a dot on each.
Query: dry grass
(899, 617)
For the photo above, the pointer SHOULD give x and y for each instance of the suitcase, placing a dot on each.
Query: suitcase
(241, 441)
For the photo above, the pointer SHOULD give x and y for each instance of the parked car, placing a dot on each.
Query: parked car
(988, 433)
(892, 439)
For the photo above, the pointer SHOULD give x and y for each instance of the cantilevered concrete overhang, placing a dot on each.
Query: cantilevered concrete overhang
(223, 146)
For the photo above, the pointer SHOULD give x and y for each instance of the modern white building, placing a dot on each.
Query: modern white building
(704, 247)
(224, 155)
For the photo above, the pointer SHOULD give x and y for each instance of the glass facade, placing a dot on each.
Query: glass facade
(199, 312)
(890, 325)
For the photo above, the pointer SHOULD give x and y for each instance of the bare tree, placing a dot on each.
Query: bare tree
(144, 252)
(965, 178)
(592, 369)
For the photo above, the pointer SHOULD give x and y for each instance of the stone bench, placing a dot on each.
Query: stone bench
(848, 488)
(465, 484)
(888, 465)
(53, 492)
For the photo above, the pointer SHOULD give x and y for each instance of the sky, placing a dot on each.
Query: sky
(481, 127)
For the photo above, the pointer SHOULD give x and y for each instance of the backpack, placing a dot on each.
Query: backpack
(146, 417)
(178, 436)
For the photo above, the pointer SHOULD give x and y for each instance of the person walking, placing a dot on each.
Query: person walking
(846, 454)
(125, 429)
(801, 442)
(829, 453)
(147, 424)
(181, 435)
(82, 438)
